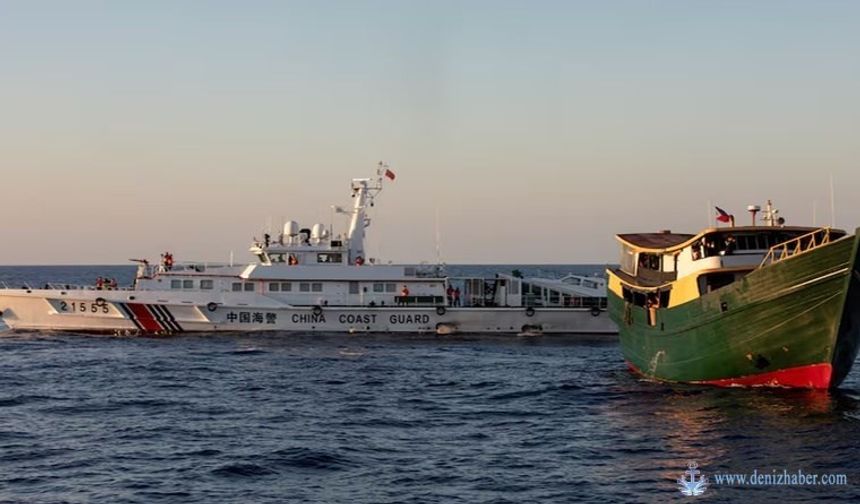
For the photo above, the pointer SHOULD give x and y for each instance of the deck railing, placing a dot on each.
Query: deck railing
(57, 286)
(796, 246)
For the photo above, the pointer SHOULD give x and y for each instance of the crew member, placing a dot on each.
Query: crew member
(404, 293)
(457, 296)
(100, 283)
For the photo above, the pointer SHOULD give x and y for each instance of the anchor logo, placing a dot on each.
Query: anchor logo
(692, 487)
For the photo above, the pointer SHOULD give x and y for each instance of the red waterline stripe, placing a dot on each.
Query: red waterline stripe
(815, 376)
(144, 317)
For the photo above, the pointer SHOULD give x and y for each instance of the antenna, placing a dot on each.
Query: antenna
(438, 240)
(832, 203)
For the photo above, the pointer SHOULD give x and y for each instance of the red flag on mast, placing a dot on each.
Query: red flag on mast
(389, 174)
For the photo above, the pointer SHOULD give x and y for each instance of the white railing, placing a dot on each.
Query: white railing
(57, 286)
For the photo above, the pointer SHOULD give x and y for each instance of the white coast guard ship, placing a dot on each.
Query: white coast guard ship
(305, 279)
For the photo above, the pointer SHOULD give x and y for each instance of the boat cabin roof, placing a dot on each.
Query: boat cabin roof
(664, 242)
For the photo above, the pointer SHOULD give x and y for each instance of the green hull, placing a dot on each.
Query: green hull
(797, 314)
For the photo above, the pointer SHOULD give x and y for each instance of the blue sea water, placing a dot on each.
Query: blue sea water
(378, 418)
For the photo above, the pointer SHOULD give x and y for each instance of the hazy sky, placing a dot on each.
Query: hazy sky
(538, 129)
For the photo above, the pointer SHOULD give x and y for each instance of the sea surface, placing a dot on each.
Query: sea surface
(275, 417)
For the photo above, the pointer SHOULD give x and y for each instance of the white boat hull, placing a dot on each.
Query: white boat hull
(147, 312)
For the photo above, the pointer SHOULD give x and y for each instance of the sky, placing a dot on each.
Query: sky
(535, 130)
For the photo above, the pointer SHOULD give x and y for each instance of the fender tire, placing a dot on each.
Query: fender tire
(440, 310)
(530, 312)
(212, 306)
(317, 310)
(595, 311)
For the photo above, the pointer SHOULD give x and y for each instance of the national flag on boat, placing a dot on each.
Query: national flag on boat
(389, 174)
(722, 215)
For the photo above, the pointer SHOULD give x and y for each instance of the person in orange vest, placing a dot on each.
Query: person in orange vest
(100, 283)
(404, 293)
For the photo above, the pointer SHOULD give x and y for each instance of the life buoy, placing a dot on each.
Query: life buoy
(530, 312)
(212, 306)
(100, 301)
(595, 311)
(317, 310)
(440, 310)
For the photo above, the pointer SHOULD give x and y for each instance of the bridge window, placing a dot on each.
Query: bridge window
(188, 284)
(206, 284)
(274, 287)
(249, 287)
(316, 287)
(304, 287)
(237, 287)
(329, 257)
(390, 287)
(176, 284)
(649, 261)
(379, 287)
(286, 286)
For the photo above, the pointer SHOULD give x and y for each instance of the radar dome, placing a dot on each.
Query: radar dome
(319, 232)
(291, 228)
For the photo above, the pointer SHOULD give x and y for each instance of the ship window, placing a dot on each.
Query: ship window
(515, 288)
(176, 284)
(649, 261)
(276, 258)
(304, 287)
(249, 287)
(628, 261)
(379, 287)
(286, 286)
(206, 284)
(274, 287)
(329, 258)
(188, 284)
(390, 287)
(237, 286)
(353, 287)
(316, 287)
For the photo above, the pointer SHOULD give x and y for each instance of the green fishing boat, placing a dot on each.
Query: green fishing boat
(758, 305)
